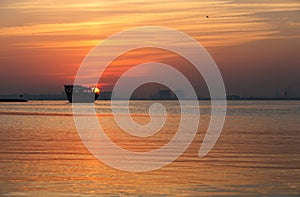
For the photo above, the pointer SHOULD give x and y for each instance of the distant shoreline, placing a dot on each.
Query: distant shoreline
(204, 99)
(13, 100)
(49, 97)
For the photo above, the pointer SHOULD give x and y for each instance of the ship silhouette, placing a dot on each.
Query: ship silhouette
(81, 94)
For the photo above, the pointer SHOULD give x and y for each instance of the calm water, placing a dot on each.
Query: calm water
(258, 153)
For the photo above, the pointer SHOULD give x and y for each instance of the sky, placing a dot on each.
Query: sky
(255, 44)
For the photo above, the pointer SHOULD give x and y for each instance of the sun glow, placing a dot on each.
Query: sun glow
(96, 90)
(234, 32)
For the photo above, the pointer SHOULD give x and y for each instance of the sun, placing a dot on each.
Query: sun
(96, 90)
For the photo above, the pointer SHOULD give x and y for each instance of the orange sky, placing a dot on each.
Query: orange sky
(255, 43)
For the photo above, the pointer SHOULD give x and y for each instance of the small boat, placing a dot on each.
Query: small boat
(81, 94)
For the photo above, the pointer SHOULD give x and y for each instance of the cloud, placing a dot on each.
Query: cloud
(227, 19)
(66, 29)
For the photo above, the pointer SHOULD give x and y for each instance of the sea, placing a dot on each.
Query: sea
(257, 153)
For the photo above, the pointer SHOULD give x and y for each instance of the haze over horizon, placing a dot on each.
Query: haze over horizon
(254, 43)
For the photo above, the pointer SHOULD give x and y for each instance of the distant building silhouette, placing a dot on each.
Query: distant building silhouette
(233, 97)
